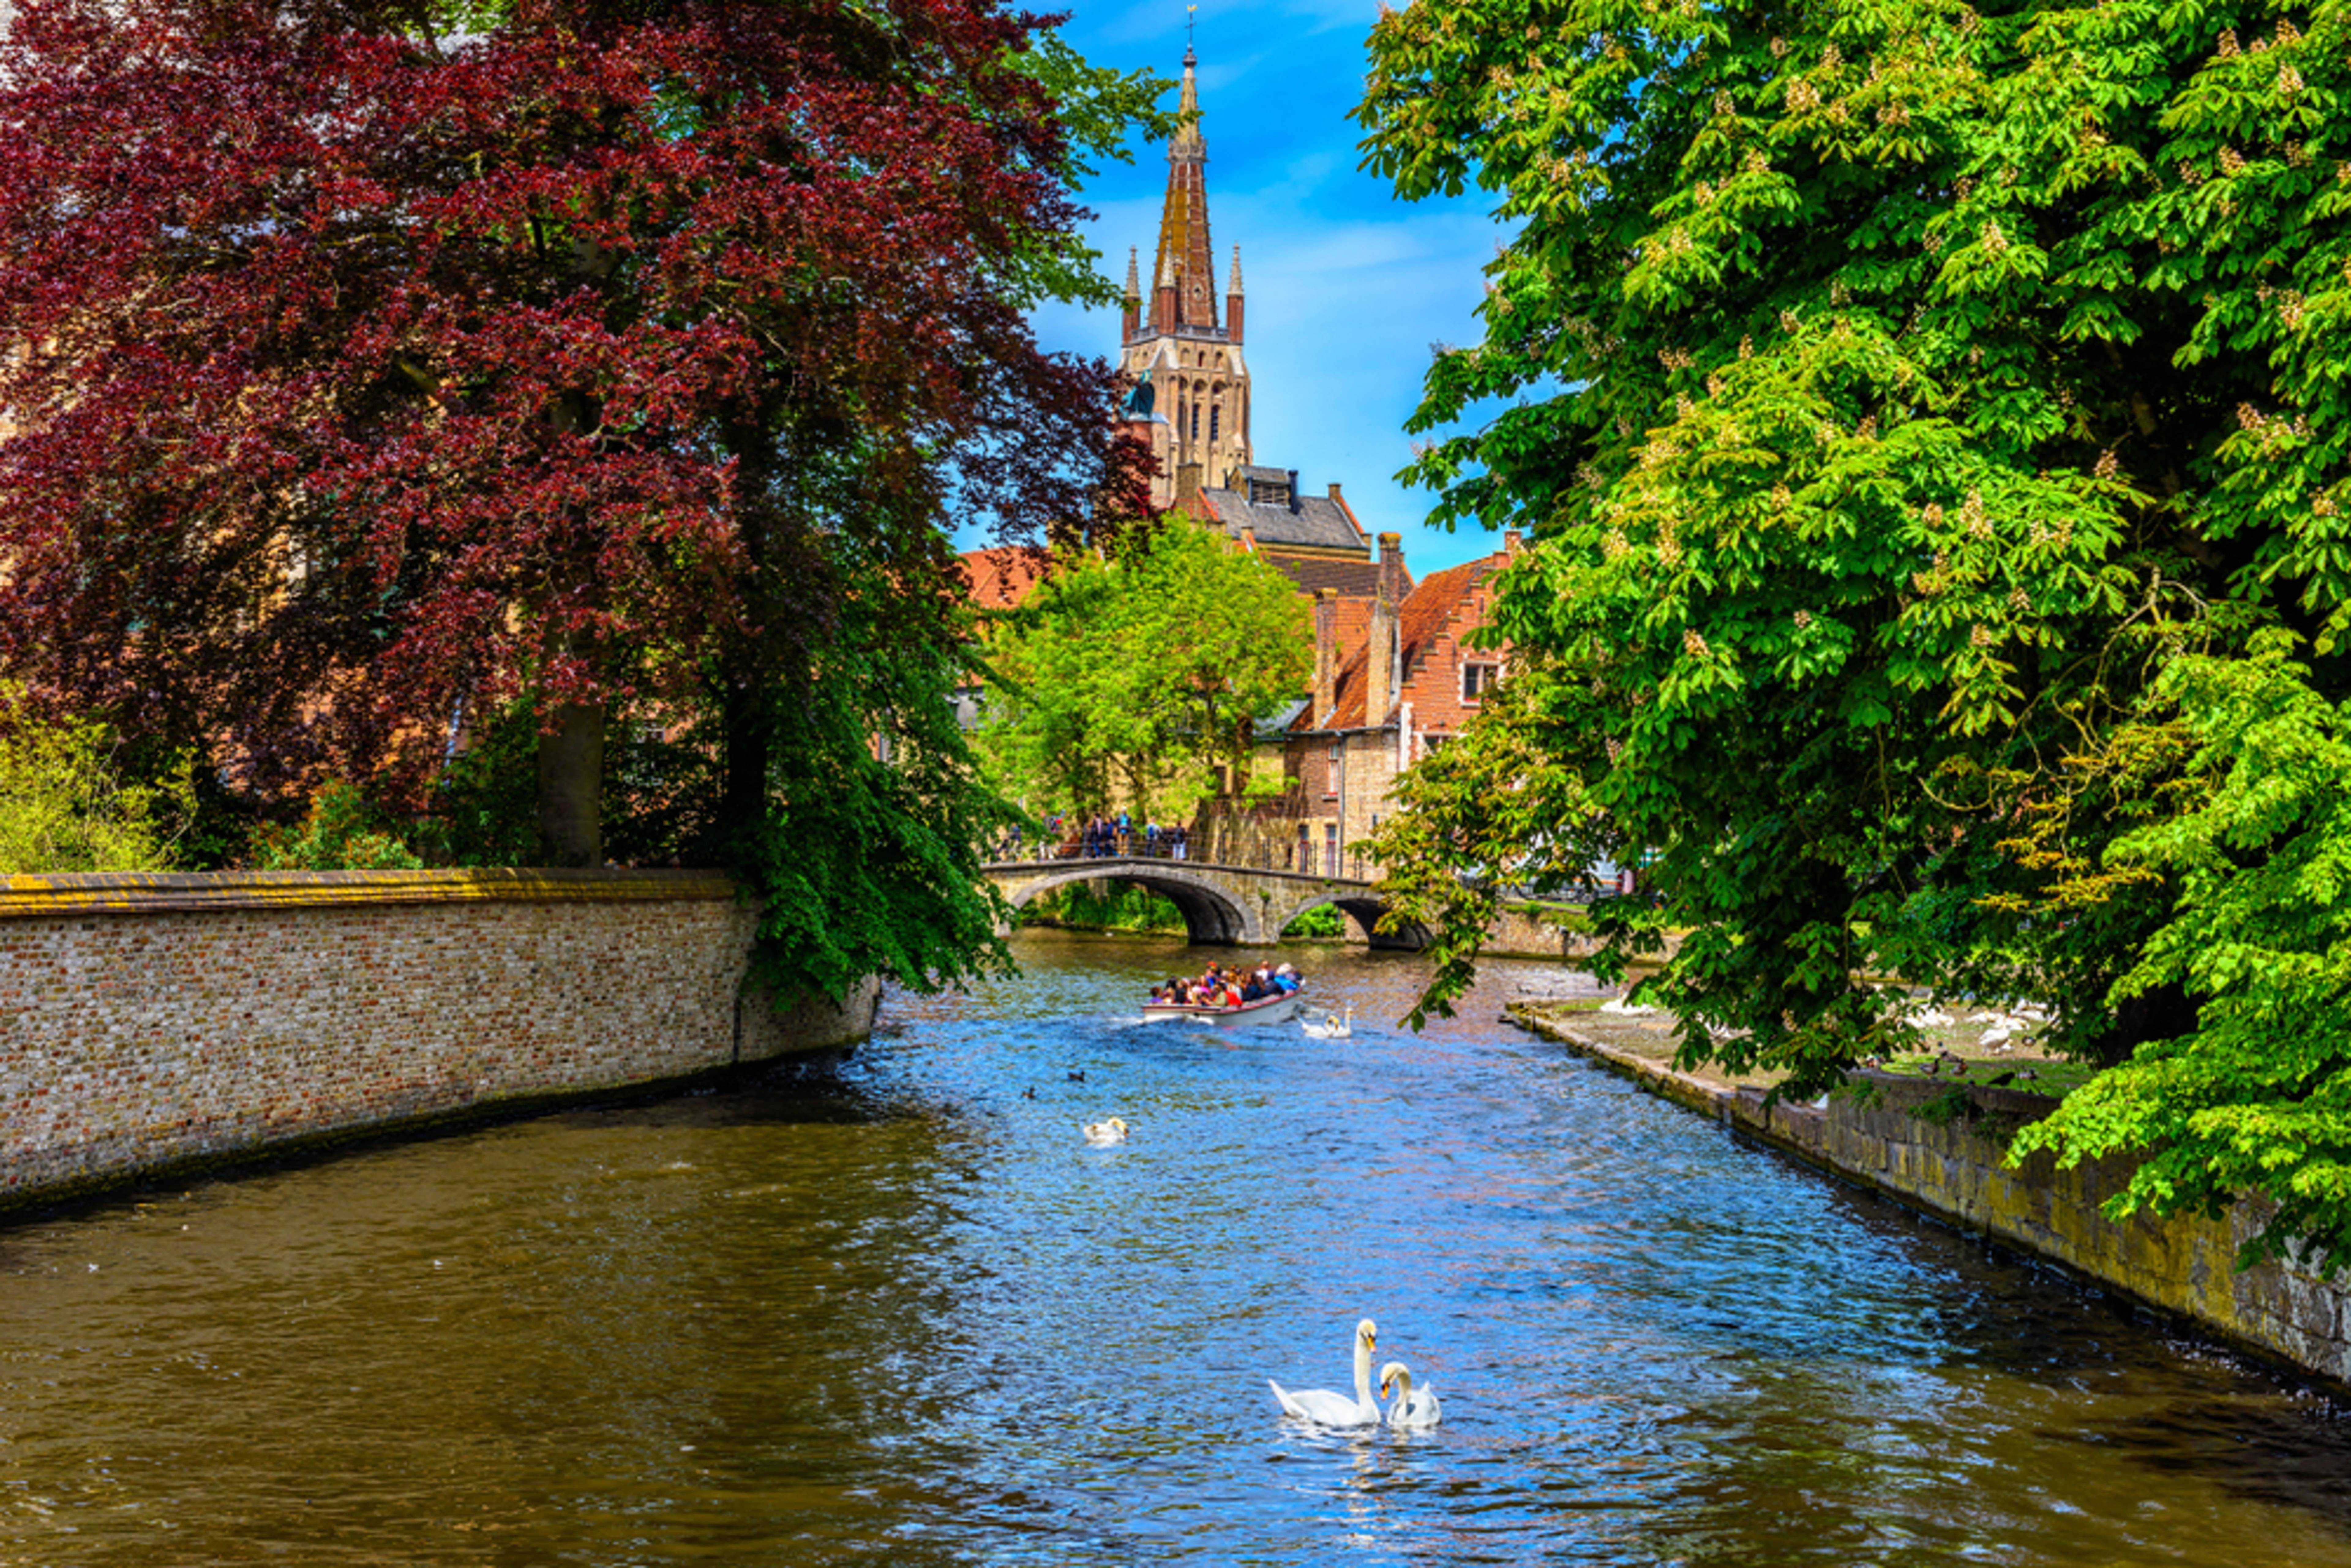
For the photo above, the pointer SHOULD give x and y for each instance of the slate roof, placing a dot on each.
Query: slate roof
(1318, 522)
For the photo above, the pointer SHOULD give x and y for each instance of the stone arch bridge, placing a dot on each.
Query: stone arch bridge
(1222, 904)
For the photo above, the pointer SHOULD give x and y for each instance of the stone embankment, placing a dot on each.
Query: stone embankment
(148, 1023)
(1954, 1170)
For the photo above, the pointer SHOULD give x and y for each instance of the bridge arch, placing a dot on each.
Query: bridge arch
(1212, 916)
(1364, 910)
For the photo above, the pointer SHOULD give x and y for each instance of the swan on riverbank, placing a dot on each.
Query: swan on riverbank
(1413, 1407)
(1103, 1134)
(1333, 1027)
(1325, 1408)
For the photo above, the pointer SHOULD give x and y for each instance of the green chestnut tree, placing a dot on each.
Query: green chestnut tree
(1932, 421)
(1133, 672)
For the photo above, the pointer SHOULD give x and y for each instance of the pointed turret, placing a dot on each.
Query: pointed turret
(1131, 318)
(1184, 222)
(1233, 300)
(1164, 298)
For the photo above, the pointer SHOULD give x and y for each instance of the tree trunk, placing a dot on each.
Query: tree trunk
(750, 754)
(571, 787)
(745, 707)
(572, 753)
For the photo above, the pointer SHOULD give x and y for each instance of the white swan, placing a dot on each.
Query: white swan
(1413, 1407)
(1103, 1134)
(1335, 1027)
(1325, 1408)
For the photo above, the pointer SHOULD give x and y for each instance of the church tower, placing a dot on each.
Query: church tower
(1191, 387)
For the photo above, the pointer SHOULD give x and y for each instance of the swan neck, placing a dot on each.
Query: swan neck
(1363, 1374)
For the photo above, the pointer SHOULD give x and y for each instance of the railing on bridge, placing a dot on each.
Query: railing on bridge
(1240, 848)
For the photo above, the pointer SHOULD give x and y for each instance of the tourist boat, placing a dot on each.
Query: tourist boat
(1265, 1010)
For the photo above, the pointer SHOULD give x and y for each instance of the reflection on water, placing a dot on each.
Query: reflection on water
(904, 1315)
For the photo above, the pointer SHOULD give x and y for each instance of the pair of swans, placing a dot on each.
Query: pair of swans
(1333, 1027)
(1413, 1407)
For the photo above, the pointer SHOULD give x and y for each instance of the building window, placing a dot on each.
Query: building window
(1477, 680)
(1215, 418)
(1331, 775)
(1195, 422)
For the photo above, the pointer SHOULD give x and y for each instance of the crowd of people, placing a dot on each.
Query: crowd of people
(1223, 987)
(1104, 837)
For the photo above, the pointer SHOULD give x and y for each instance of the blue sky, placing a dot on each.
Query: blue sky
(1347, 286)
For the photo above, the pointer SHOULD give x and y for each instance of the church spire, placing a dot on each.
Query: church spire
(1184, 245)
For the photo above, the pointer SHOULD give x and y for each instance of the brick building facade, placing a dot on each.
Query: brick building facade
(1382, 700)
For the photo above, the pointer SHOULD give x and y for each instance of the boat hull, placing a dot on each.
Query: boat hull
(1266, 1010)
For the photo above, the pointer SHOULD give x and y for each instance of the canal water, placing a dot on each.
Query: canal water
(903, 1314)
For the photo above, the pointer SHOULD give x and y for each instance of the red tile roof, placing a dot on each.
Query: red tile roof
(1003, 579)
(1427, 612)
(1353, 577)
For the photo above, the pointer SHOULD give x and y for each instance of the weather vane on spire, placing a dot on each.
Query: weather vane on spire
(1191, 27)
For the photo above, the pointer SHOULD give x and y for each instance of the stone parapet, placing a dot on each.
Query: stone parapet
(2184, 1266)
(153, 1022)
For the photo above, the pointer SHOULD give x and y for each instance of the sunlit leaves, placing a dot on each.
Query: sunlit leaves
(1131, 675)
(1937, 376)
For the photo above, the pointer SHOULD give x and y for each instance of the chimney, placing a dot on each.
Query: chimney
(1379, 664)
(1326, 656)
(1130, 318)
(1233, 300)
(1293, 489)
(1380, 647)
(1391, 589)
(1187, 481)
(1514, 542)
(1334, 493)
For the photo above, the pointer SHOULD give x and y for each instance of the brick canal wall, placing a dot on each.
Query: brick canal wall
(2183, 1266)
(148, 1022)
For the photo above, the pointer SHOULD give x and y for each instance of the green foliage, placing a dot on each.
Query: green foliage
(2257, 1095)
(1323, 922)
(1137, 672)
(1925, 411)
(867, 859)
(1101, 112)
(1953, 1104)
(65, 805)
(485, 804)
(341, 832)
(1123, 907)
(659, 801)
